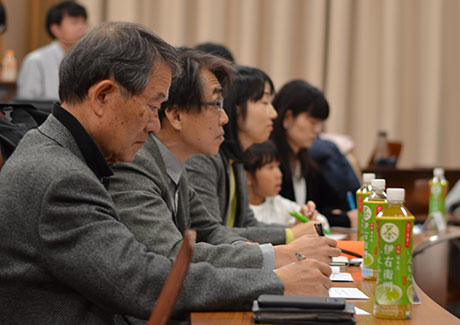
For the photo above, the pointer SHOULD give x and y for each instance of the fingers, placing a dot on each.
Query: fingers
(324, 268)
(315, 216)
(320, 272)
(334, 252)
(331, 242)
(307, 277)
(309, 210)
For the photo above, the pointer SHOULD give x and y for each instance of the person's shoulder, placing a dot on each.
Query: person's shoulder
(40, 53)
(41, 149)
(200, 160)
(147, 162)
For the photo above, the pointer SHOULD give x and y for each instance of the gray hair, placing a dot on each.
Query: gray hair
(126, 52)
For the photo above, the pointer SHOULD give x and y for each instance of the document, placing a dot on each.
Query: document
(347, 293)
(359, 311)
(337, 236)
(341, 277)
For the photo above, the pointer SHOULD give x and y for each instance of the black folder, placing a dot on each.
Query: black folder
(302, 310)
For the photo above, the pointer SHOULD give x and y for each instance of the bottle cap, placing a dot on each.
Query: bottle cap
(368, 177)
(438, 171)
(395, 194)
(378, 184)
(9, 52)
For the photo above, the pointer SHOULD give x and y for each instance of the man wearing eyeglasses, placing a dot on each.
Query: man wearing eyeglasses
(152, 194)
(156, 203)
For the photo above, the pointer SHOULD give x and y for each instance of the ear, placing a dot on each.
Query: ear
(288, 119)
(175, 117)
(239, 118)
(249, 177)
(55, 30)
(102, 94)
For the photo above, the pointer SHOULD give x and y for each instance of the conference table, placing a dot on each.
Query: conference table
(428, 312)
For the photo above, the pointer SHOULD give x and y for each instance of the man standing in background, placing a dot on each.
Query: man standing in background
(39, 77)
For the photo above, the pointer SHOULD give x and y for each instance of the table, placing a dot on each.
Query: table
(429, 312)
(415, 182)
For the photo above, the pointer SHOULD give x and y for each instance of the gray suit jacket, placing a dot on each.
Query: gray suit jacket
(66, 259)
(210, 177)
(143, 201)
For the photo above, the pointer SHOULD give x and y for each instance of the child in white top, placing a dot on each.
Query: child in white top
(264, 180)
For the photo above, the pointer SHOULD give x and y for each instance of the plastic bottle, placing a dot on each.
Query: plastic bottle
(438, 192)
(372, 205)
(9, 66)
(361, 194)
(394, 290)
(382, 151)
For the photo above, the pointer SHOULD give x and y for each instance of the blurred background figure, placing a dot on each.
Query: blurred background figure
(38, 77)
(264, 180)
(302, 108)
(216, 49)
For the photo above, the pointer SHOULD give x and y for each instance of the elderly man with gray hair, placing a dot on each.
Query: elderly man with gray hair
(66, 259)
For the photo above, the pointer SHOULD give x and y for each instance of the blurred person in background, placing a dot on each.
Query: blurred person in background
(221, 181)
(302, 109)
(264, 180)
(38, 79)
(216, 49)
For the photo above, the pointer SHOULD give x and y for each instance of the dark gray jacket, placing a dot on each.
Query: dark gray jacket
(66, 259)
(210, 177)
(143, 201)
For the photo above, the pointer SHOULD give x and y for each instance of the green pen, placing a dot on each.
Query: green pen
(299, 216)
(303, 218)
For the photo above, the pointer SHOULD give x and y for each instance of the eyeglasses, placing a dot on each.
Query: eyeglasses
(219, 104)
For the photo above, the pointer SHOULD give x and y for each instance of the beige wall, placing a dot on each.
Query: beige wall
(390, 64)
(15, 37)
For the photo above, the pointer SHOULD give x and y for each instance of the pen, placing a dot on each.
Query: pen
(319, 229)
(346, 251)
(351, 201)
(299, 216)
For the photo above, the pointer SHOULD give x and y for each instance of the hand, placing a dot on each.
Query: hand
(316, 247)
(305, 278)
(353, 216)
(304, 228)
(309, 210)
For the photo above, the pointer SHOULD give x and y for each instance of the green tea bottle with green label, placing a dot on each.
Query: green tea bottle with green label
(361, 194)
(438, 192)
(372, 205)
(394, 290)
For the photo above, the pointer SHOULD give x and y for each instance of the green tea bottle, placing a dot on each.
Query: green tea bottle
(438, 192)
(372, 205)
(361, 194)
(393, 293)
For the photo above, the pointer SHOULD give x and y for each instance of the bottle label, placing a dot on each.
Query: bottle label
(359, 203)
(370, 211)
(394, 280)
(438, 193)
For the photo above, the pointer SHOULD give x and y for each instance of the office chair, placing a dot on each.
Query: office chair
(173, 284)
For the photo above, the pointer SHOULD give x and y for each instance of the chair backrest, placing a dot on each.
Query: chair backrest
(173, 283)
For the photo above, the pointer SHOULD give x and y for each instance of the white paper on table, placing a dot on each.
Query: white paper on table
(359, 311)
(347, 293)
(337, 236)
(341, 277)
